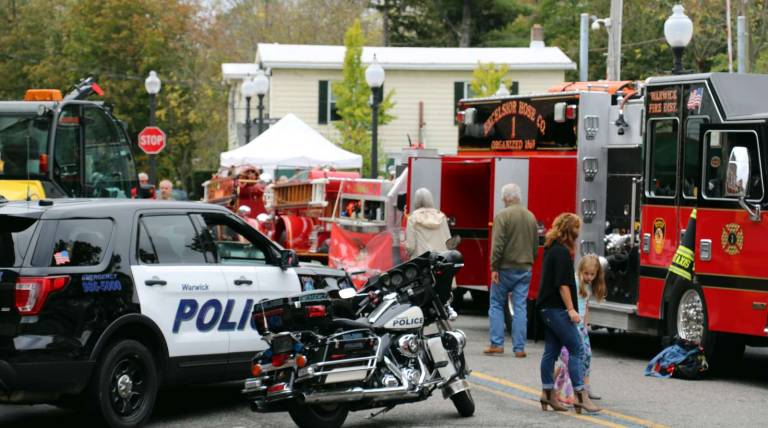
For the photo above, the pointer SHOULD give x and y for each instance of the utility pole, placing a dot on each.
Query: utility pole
(614, 40)
(741, 42)
(584, 48)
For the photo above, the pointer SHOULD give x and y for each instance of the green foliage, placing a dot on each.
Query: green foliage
(352, 99)
(445, 22)
(486, 79)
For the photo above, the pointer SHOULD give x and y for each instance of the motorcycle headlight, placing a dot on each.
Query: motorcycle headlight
(454, 340)
(408, 345)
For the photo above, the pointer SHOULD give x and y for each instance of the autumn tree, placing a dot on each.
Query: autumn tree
(487, 78)
(353, 99)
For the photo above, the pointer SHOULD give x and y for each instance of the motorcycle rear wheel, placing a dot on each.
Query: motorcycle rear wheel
(319, 415)
(464, 403)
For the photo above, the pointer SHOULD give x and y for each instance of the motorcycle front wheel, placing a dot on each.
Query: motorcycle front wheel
(330, 415)
(464, 403)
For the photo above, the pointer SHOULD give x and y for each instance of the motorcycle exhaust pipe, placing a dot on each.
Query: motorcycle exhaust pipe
(356, 394)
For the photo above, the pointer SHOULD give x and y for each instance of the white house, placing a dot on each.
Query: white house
(427, 83)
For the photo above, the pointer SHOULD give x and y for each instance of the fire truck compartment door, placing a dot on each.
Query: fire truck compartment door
(509, 170)
(425, 172)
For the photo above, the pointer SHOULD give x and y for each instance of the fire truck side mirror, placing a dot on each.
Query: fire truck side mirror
(737, 175)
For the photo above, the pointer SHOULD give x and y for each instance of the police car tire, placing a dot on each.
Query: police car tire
(125, 358)
(318, 416)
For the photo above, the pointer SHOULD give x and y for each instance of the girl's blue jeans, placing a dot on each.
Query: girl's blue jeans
(559, 331)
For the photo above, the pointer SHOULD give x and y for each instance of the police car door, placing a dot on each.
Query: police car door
(250, 267)
(182, 293)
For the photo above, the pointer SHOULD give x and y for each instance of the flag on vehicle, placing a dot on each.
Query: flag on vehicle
(61, 258)
(682, 262)
(694, 98)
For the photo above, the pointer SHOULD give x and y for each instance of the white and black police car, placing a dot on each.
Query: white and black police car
(104, 301)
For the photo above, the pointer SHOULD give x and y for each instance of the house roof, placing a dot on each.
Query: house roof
(274, 55)
(237, 71)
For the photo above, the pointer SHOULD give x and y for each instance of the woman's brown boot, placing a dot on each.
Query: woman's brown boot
(548, 399)
(583, 402)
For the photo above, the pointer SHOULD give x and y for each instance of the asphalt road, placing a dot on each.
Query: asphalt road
(505, 391)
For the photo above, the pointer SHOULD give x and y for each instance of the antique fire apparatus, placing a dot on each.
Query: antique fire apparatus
(334, 217)
(619, 157)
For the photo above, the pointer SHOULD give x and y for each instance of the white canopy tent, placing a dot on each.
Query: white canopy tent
(290, 143)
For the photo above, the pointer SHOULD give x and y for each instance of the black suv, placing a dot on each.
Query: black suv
(104, 301)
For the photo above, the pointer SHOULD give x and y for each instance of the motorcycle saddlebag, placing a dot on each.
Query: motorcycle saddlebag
(311, 310)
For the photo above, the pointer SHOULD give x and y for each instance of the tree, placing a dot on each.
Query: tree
(486, 79)
(444, 22)
(352, 99)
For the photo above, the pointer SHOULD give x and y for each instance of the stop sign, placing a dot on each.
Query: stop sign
(152, 140)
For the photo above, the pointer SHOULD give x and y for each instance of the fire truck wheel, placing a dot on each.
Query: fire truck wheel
(686, 314)
(687, 318)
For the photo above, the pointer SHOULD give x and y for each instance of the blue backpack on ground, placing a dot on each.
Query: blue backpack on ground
(683, 359)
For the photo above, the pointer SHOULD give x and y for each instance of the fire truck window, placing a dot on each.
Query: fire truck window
(718, 149)
(374, 210)
(663, 158)
(67, 156)
(231, 246)
(23, 138)
(692, 157)
(108, 162)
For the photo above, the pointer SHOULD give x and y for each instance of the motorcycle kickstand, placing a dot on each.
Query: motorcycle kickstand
(380, 412)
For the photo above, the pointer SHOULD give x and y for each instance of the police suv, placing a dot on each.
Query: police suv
(104, 301)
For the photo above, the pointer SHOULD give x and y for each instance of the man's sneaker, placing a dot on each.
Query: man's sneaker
(520, 354)
(493, 350)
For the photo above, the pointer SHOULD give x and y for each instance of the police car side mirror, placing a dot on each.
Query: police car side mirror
(288, 259)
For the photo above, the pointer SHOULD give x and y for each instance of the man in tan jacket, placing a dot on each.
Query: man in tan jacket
(513, 250)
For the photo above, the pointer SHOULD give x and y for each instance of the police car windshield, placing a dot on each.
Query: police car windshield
(15, 237)
(23, 140)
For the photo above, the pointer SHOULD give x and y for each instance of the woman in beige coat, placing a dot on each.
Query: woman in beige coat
(427, 227)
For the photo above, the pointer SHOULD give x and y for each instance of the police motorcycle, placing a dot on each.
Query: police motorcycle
(390, 343)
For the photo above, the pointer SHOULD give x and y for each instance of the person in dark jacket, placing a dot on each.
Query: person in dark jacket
(557, 304)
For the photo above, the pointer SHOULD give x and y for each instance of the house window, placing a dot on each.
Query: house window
(326, 103)
(464, 90)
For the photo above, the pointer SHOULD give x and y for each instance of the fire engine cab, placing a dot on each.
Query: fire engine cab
(633, 163)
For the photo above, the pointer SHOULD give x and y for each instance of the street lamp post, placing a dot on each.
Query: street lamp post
(152, 85)
(248, 89)
(261, 86)
(374, 76)
(678, 30)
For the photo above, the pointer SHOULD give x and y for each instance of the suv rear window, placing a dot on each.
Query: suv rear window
(80, 242)
(15, 237)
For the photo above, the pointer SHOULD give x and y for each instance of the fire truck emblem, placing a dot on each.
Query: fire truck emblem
(732, 239)
(659, 229)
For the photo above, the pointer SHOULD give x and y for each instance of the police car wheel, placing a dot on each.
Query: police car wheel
(124, 386)
(330, 415)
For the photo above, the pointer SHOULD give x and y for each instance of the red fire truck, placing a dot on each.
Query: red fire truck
(618, 157)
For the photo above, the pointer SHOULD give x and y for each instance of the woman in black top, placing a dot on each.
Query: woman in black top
(557, 303)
